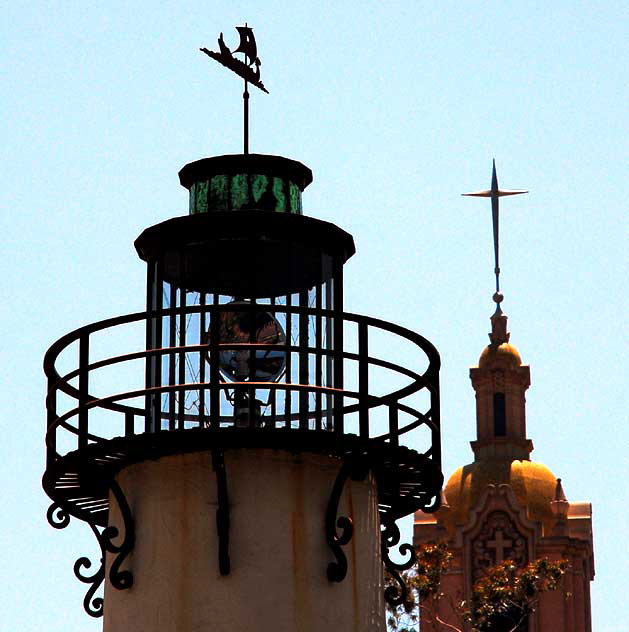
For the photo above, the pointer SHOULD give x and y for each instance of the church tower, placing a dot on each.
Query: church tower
(503, 505)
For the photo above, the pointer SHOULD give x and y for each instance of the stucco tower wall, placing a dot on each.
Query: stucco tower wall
(277, 547)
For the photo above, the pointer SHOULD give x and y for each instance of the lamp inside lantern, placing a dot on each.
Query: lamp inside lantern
(240, 327)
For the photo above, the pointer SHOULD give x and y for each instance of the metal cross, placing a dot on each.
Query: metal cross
(494, 193)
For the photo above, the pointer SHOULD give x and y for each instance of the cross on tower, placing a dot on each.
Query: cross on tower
(495, 193)
(500, 545)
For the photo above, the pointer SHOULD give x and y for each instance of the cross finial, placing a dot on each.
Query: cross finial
(495, 193)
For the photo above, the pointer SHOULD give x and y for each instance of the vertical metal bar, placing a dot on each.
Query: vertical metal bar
(318, 357)
(215, 393)
(245, 96)
(181, 411)
(338, 345)
(84, 360)
(273, 392)
(303, 359)
(289, 342)
(329, 360)
(129, 430)
(51, 417)
(363, 380)
(172, 343)
(150, 290)
(156, 365)
(436, 417)
(202, 339)
(253, 357)
(393, 424)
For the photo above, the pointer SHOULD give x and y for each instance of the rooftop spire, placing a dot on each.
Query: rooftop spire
(494, 193)
(498, 320)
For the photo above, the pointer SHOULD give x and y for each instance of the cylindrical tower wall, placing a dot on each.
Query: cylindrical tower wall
(277, 547)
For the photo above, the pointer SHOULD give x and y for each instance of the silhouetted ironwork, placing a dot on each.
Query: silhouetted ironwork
(249, 69)
(79, 480)
(390, 535)
(356, 467)
(495, 193)
(246, 346)
(59, 518)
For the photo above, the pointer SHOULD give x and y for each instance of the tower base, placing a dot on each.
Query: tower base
(278, 555)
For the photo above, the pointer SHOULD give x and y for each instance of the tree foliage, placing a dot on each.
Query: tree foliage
(500, 601)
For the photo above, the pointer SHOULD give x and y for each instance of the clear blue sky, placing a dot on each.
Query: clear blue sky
(398, 108)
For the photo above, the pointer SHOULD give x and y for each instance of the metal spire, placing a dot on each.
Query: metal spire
(494, 193)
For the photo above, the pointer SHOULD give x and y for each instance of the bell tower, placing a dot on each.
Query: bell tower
(503, 506)
(500, 381)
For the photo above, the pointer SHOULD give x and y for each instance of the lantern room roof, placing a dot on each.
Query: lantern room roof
(246, 253)
(232, 164)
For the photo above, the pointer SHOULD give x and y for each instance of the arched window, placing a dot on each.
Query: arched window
(500, 416)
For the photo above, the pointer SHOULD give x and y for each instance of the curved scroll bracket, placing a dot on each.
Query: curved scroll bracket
(355, 467)
(390, 534)
(122, 580)
(59, 518)
(91, 604)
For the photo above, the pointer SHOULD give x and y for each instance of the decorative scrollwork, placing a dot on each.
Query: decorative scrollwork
(92, 605)
(57, 516)
(357, 468)
(390, 535)
(121, 580)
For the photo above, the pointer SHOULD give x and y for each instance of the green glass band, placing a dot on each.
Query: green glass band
(245, 191)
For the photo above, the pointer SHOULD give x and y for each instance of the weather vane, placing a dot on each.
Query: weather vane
(249, 69)
(494, 193)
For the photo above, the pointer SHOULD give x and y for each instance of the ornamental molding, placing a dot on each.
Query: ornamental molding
(495, 499)
(498, 540)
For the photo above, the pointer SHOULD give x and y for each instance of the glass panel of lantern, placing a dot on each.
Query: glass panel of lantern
(296, 349)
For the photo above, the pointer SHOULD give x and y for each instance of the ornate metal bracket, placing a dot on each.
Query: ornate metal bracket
(121, 580)
(356, 467)
(222, 513)
(390, 535)
(59, 518)
(92, 605)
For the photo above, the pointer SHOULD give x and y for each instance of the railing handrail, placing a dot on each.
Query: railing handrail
(362, 400)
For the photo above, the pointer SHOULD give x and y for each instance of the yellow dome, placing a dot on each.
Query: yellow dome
(504, 355)
(532, 483)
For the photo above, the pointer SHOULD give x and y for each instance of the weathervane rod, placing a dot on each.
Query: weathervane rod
(245, 98)
(495, 193)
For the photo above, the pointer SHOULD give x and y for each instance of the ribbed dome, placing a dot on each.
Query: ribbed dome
(532, 483)
(503, 355)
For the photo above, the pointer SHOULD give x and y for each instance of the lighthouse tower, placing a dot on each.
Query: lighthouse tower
(238, 448)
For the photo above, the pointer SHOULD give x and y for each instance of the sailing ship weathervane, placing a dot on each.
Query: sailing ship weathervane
(494, 193)
(249, 69)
